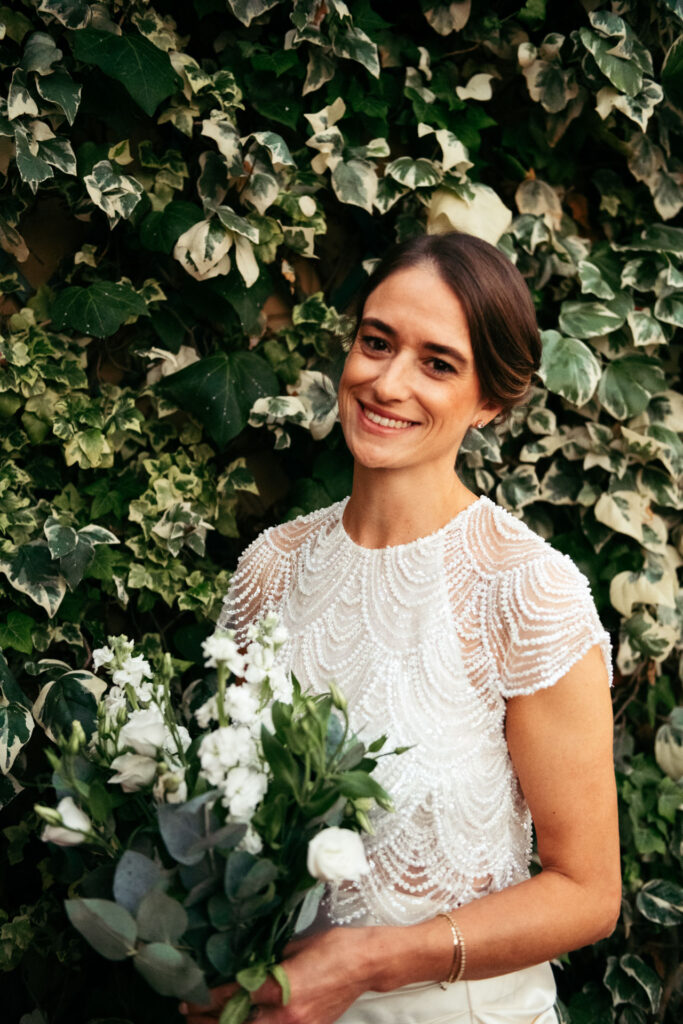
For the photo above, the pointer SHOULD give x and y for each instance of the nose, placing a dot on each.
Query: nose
(392, 383)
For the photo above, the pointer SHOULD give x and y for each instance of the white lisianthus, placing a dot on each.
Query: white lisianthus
(222, 647)
(74, 826)
(133, 771)
(243, 790)
(336, 855)
(225, 748)
(485, 216)
(101, 656)
(145, 731)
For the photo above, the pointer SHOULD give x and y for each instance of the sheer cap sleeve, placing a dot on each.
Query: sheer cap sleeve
(546, 621)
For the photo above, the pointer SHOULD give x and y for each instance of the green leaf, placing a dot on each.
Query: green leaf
(160, 918)
(109, 928)
(135, 876)
(351, 42)
(281, 761)
(237, 1009)
(16, 726)
(161, 229)
(624, 74)
(280, 975)
(628, 383)
(32, 168)
(98, 310)
(17, 632)
(253, 977)
(418, 173)
(181, 825)
(672, 73)
(60, 88)
(247, 10)
(143, 69)
(171, 972)
(71, 697)
(221, 389)
(71, 13)
(568, 367)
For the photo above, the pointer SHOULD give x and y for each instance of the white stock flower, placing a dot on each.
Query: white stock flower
(75, 827)
(243, 790)
(252, 842)
(133, 771)
(259, 661)
(222, 647)
(281, 684)
(145, 731)
(114, 699)
(101, 656)
(241, 703)
(225, 748)
(207, 713)
(485, 216)
(336, 855)
(133, 670)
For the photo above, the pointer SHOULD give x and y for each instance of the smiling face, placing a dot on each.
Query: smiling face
(409, 391)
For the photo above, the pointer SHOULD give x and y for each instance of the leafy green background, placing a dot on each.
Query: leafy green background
(190, 195)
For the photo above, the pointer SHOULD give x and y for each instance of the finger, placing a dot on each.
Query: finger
(219, 997)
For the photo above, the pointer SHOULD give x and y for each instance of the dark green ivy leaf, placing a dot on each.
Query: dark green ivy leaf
(99, 309)
(144, 70)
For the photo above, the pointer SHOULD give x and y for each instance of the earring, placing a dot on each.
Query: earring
(479, 424)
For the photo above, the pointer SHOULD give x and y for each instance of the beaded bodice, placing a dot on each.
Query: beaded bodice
(427, 640)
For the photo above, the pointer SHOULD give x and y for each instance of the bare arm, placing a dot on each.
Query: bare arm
(560, 741)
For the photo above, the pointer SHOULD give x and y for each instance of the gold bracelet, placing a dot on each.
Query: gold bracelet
(459, 956)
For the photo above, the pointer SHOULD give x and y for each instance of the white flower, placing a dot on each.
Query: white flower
(114, 700)
(252, 841)
(101, 656)
(259, 661)
(133, 670)
(224, 749)
(336, 855)
(133, 771)
(241, 703)
(145, 731)
(75, 825)
(243, 790)
(281, 684)
(485, 216)
(222, 647)
(171, 787)
(207, 713)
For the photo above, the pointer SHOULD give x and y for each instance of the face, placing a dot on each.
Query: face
(409, 391)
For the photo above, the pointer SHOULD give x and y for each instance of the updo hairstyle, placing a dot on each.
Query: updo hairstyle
(496, 301)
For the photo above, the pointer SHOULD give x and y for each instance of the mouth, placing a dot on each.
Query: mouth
(381, 420)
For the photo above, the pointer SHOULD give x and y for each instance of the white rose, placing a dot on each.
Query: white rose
(133, 771)
(336, 855)
(75, 827)
(145, 732)
(485, 216)
(243, 790)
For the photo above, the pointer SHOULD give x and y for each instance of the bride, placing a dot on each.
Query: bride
(457, 631)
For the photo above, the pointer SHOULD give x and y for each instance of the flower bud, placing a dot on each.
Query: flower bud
(78, 738)
(338, 698)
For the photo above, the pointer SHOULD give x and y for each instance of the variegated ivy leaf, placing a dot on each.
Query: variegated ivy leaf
(330, 146)
(640, 108)
(59, 88)
(355, 182)
(628, 383)
(32, 167)
(623, 40)
(539, 199)
(551, 85)
(642, 273)
(328, 116)
(236, 224)
(659, 487)
(630, 513)
(560, 484)
(16, 727)
(321, 68)
(645, 638)
(59, 153)
(518, 489)
(448, 17)
(246, 260)
(454, 153)
(71, 13)
(388, 194)
(568, 367)
(31, 571)
(645, 328)
(414, 84)
(116, 194)
(351, 42)
(299, 238)
(593, 282)
(670, 447)
(590, 319)
(219, 127)
(20, 102)
(276, 146)
(629, 588)
(247, 10)
(667, 192)
(624, 74)
(656, 238)
(162, 31)
(477, 88)
(203, 250)
(71, 697)
(40, 53)
(541, 421)
(661, 901)
(262, 187)
(418, 173)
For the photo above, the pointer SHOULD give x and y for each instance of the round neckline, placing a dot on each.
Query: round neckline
(458, 518)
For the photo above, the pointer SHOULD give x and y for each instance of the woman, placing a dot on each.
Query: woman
(456, 630)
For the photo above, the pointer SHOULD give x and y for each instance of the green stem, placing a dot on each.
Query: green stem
(222, 671)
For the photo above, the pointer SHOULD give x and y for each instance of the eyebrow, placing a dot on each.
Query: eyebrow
(431, 346)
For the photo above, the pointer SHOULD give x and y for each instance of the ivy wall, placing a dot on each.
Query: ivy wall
(190, 195)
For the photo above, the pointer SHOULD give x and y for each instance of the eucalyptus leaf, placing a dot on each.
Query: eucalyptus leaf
(160, 918)
(109, 928)
(171, 972)
(135, 876)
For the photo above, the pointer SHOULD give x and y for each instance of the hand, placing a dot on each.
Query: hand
(325, 974)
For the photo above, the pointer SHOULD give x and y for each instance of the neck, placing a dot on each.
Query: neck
(390, 507)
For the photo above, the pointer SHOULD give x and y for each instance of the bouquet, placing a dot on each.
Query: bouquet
(209, 832)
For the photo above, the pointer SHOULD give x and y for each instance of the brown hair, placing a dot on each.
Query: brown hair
(496, 301)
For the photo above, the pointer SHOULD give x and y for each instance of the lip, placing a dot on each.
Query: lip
(377, 428)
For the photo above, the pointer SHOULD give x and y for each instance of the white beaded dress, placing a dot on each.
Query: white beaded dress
(427, 640)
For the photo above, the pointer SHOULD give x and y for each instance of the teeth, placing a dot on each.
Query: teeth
(384, 421)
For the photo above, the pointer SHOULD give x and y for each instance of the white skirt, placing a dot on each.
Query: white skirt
(522, 997)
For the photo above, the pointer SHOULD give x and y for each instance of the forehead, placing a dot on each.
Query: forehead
(418, 297)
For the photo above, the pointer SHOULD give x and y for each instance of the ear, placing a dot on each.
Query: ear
(487, 411)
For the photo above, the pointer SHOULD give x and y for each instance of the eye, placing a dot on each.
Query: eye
(374, 343)
(440, 367)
